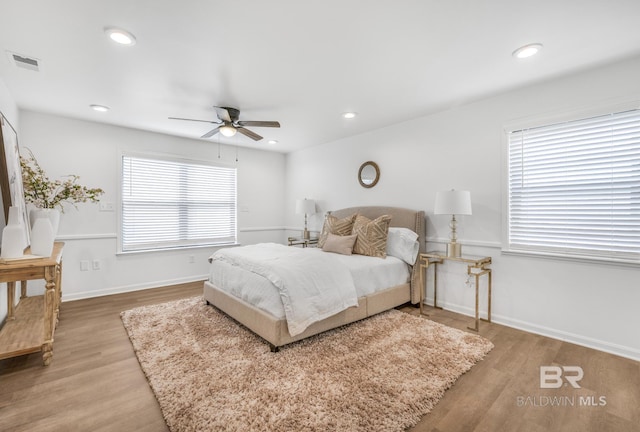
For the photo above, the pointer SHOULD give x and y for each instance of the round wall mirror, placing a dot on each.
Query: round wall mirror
(369, 174)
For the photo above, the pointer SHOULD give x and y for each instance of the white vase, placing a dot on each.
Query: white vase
(42, 237)
(14, 216)
(13, 240)
(52, 214)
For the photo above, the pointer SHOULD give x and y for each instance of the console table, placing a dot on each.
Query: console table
(30, 325)
(476, 267)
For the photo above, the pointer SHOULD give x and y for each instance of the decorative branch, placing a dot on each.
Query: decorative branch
(45, 193)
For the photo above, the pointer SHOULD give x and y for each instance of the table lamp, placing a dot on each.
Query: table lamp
(306, 207)
(453, 203)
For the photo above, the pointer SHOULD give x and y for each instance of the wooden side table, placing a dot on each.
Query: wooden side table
(31, 324)
(476, 267)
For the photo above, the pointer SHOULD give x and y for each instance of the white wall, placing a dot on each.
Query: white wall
(91, 150)
(590, 304)
(8, 105)
(9, 108)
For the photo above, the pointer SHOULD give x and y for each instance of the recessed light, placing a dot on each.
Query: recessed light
(349, 115)
(527, 50)
(120, 36)
(100, 108)
(273, 142)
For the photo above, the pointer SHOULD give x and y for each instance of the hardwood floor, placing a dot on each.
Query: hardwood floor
(502, 392)
(95, 383)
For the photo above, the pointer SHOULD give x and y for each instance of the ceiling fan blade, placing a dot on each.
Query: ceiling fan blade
(205, 121)
(274, 124)
(223, 114)
(211, 133)
(254, 136)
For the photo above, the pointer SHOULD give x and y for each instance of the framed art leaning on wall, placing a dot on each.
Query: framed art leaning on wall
(11, 175)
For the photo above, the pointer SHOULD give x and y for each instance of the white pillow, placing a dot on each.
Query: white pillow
(403, 243)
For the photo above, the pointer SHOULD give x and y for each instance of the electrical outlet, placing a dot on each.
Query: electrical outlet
(84, 265)
(96, 264)
(106, 206)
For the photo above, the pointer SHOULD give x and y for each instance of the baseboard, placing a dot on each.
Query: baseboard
(608, 347)
(130, 288)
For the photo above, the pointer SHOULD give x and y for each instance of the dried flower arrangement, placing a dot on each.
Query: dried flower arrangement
(48, 194)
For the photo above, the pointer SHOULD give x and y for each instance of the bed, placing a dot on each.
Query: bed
(262, 315)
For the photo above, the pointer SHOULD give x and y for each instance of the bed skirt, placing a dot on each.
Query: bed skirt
(275, 331)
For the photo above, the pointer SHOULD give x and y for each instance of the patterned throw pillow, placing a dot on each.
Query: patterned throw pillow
(336, 226)
(372, 236)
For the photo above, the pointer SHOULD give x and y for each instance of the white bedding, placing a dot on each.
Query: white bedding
(311, 287)
(369, 275)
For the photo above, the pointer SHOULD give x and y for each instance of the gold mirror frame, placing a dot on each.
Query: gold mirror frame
(364, 178)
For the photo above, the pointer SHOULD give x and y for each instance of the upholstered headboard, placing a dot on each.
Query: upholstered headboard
(400, 217)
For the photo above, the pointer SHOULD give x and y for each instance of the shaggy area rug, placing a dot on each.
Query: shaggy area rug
(381, 374)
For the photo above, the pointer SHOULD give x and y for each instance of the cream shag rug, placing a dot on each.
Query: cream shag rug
(211, 374)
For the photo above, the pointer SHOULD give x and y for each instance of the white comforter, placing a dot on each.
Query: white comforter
(312, 286)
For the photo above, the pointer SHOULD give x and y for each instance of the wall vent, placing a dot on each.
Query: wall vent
(24, 62)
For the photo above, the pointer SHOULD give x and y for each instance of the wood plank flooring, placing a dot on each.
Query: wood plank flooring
(95, 383)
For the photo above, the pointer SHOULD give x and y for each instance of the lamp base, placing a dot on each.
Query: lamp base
(306, 234)
(454, 250)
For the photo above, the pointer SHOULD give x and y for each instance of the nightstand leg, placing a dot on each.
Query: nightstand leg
(424, 269)
(423, 287)
(435, 286)
(477, 326)
(489, 295)
(488, 273)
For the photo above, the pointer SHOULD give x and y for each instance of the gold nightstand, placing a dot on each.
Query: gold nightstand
(476, 266)
(295, 241)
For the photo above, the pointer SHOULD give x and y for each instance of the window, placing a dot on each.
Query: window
(169, 203)
(574, 188)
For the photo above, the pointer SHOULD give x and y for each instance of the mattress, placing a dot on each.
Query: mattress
(370, 274)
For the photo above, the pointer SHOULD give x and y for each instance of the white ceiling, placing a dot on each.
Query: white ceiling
(298, 62)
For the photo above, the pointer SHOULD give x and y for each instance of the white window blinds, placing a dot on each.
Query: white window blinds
(170, 203)
(574, 187)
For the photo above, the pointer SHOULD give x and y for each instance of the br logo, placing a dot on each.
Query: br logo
(552, 376)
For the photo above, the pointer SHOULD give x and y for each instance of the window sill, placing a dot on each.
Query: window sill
(625, 262)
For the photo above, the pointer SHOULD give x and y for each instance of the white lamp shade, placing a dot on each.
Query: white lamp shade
(453, 202)
(305, 206)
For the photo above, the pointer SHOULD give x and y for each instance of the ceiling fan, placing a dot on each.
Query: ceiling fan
(229, 124)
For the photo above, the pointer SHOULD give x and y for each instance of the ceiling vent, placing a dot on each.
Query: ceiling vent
(24, 62)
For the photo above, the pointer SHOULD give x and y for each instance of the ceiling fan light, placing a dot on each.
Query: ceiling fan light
(228, 130)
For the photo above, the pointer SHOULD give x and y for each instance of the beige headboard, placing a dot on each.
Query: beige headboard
(400, 217)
